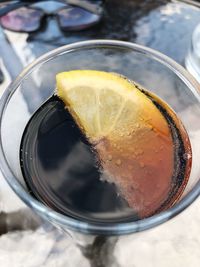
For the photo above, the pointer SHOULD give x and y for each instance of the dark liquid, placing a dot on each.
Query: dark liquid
(60, 168)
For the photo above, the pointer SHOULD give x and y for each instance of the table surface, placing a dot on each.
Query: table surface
(26, 242)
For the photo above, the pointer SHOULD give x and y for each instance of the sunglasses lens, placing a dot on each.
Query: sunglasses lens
(75, 18)
(22, 19)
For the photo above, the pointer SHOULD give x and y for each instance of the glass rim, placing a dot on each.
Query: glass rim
(64, 220)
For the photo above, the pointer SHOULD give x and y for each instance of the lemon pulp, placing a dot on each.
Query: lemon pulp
(130, 135)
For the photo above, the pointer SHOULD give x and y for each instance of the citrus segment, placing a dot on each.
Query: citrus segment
(129, 133)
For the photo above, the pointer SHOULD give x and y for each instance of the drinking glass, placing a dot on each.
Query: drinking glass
(36, 84)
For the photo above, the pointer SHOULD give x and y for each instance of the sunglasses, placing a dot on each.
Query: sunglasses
(78, 15)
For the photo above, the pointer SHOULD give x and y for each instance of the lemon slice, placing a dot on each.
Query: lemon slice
(103, 103)
(129, 133)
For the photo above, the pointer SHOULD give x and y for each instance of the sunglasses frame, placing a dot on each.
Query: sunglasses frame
(95, 7)
(54, 15)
